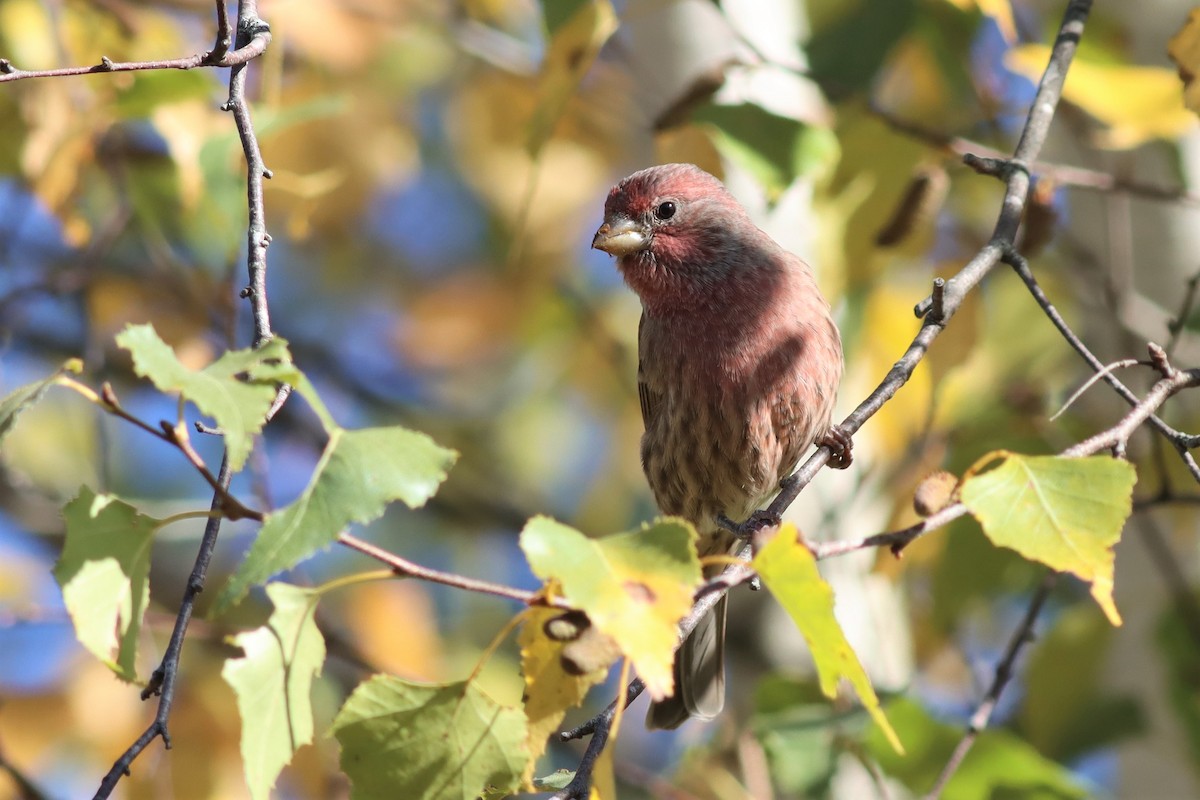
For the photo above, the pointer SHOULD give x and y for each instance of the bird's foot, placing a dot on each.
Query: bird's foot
(758, 521)
(840, 446)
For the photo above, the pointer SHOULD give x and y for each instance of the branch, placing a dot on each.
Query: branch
(1114, 439)
(1004, 669)
(163, 679)
(1061, 174)
(257, 38)
(946, 299)
(406, 568)
(253, 36)
(1181, 441)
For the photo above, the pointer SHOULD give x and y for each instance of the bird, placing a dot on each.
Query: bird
(739, 363)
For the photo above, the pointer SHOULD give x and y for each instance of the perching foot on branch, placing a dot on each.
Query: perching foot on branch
(760, 520)
(840, 446)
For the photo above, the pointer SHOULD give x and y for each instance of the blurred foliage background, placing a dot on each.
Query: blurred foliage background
(438, 170)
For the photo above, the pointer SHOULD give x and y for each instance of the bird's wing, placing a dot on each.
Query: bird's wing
(648, 399)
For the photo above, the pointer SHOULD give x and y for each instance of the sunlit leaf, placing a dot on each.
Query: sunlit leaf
(104, 573)
(1136, 103)
(428, 741)
(634, 587)
(359, 474)
(1066, 513)
(238, 405)
(789, 570)
(273, 683)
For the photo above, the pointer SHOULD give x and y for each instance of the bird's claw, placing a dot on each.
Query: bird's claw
(758, 521)
(840, 446)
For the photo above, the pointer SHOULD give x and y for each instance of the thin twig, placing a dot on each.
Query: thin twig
(257, 238)
(402, 566)
(253, 36)
(1061, 174)
(251, 50)
(1004, 669)
(1016, 177)
(163, 680)
(1114, 438)
(1090, 382)
(1181, 441)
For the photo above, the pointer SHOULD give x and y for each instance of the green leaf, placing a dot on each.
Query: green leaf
(1066, 513)
(359, 473)
(22, 397)
(273, 683)
(428, 741)
(775, 149)
(635, 587)
(104, 573)
(789, 570)
(998, 765)
(238, 406)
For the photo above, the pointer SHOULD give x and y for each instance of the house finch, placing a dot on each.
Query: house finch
(739, 365)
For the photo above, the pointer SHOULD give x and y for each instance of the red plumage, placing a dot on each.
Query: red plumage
(739, 365)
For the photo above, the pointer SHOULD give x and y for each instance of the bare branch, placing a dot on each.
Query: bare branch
(252, 49)
(404, 567)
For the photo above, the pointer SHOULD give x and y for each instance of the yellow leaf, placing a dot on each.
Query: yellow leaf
(789, 571)
(1184, 50)
(1137, 104)
(1066, 513)
(634, 587)
(549, 689)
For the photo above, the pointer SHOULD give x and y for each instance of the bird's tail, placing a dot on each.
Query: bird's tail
(699, 675)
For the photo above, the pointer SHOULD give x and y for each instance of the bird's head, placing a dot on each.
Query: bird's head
(676, 232)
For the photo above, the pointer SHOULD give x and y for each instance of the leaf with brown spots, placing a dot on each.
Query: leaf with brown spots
(635, 587)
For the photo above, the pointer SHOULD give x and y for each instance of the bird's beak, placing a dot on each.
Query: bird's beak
(620, 237)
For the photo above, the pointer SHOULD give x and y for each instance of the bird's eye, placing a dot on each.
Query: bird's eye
(665, 210)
